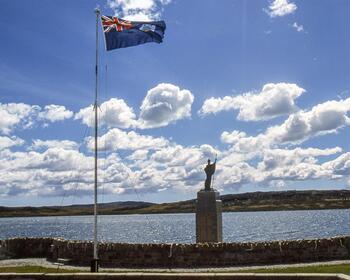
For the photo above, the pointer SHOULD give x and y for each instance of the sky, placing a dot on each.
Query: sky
(263, 85)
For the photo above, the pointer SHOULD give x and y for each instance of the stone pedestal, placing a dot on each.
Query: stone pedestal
(208, 217)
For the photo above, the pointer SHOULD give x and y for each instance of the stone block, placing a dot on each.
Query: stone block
(208, 217)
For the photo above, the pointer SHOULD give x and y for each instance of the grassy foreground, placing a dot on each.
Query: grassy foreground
(339, 268)
(35, 269)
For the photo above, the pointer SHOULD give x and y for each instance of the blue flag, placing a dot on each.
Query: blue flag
(121, 33)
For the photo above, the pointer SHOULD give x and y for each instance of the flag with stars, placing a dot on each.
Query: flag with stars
(120, 33)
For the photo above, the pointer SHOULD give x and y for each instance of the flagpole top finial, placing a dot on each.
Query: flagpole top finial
(97, 10)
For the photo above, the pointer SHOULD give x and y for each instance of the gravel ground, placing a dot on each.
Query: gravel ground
(45, 263)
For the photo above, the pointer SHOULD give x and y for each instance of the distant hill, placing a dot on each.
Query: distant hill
(253, 201)
(72, 210)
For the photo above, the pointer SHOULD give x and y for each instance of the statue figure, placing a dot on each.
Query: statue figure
(209, 170)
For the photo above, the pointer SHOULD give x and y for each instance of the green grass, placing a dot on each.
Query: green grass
(35, 269)
(340, 268)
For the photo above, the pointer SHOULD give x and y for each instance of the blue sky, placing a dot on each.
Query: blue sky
(263, 84)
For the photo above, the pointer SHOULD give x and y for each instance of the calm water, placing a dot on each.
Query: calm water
(253, 226)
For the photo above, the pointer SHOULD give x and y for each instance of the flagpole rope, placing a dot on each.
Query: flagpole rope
(212, 183)
(103, 191)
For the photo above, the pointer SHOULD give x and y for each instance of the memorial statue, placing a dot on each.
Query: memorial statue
(209, 170)
(209, 209)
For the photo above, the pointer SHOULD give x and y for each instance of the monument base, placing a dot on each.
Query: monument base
(208, 217)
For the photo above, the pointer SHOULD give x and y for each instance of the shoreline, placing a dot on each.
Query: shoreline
(181, 212)
(242, 202)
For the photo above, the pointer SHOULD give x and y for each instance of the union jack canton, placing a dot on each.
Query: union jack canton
(115, 23)
(120, 33)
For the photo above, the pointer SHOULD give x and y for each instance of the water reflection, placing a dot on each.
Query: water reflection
(180, 228)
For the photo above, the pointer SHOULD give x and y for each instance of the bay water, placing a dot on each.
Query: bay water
(180, 228)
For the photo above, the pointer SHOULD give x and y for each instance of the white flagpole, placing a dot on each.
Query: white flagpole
(94, 264)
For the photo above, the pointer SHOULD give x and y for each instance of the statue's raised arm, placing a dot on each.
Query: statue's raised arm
(209, 171)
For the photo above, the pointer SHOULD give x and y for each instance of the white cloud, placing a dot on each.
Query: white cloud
(176, 167)
(7, 142)
(16, 114)
(340, 165)
(46, 173)
(276, 158)
(274, 165)
(298, 27)
(151, 164)
(58, 171)
(165, 104)
(55, 113)
(299, 172)
(139, 155)
(57, 168)
(46, 144)
(273, 100)
(278, 185)
(232, 137)
(139, 10)
(59, 159)
(324, 118)
(116, 139)
(112, 113)
(181, 168)
(235, 176)
(189, 157)
(36, 173)
(280, 8)
(24, 116)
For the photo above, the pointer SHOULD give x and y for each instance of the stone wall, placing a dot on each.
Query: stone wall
(25, 247)
(182, 255)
